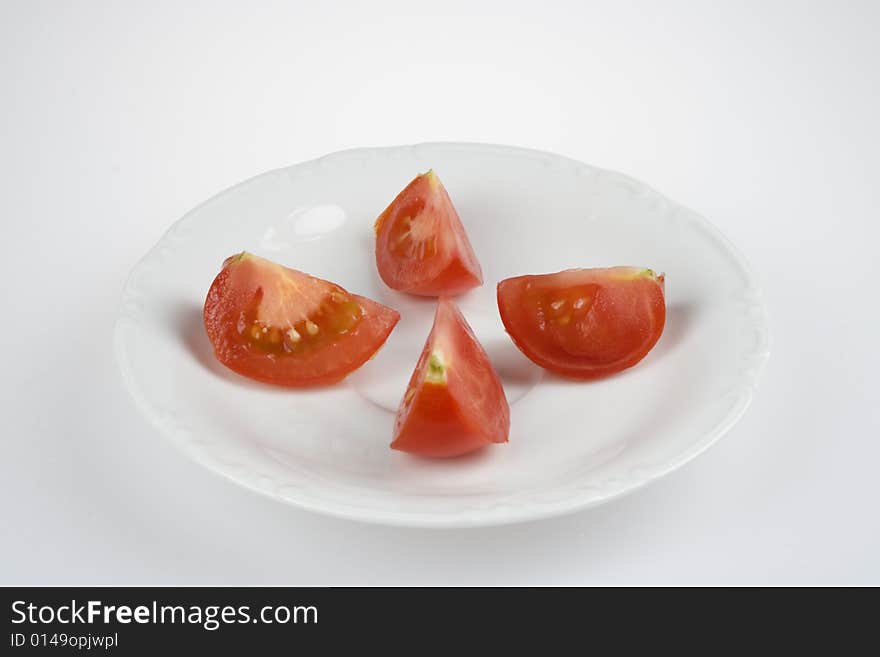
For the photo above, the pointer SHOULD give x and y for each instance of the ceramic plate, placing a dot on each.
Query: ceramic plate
(572, 445)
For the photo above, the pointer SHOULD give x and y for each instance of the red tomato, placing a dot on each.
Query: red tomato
(282, 326)
(584, 323)
(454, 403)
(421, 246)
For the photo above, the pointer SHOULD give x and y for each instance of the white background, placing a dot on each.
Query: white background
(116, 118)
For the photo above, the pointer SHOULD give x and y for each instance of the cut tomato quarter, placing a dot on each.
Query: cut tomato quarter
(421, 244)
(584, 323)
(454, 403)
(282, 326)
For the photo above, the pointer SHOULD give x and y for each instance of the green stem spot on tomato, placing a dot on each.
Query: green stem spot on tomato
(436, 373)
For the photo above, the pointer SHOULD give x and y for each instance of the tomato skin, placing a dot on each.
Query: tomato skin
(242, 280)
(621, 312)
(421, 245)
(435, 427)
(456, 412)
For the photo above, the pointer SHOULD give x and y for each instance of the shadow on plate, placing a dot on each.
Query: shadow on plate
(680, 318)
(518, 373)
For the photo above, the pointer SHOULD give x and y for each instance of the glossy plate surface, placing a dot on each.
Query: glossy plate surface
(572, 445)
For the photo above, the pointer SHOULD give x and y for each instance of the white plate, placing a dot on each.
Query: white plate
(572, 445)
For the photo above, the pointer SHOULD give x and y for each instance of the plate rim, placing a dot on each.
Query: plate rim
(502, 514)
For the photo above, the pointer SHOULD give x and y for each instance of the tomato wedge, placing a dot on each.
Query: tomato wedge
(584, 323)
(454, 403)
(282, 326)
(421, 245)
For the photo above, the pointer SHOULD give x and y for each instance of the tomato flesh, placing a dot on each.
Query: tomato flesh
(421, 244)
(285, 327)
(454, 403)
(584, 323)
